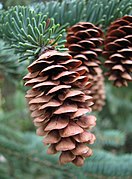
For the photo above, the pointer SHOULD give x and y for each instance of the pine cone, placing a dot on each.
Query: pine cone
(59, 106)
(118, 51)
(84, 41)
(97, 91)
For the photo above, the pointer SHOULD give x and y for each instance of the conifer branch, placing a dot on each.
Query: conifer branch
(98, 12)
(64, 12)
(29, 32)
(102, 163)
(10, 148)
(103, 12)
(9, 66)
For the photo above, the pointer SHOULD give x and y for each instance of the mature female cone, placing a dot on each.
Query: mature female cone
(84, 40)
(97, 90)
(118, 51)
(59, 106)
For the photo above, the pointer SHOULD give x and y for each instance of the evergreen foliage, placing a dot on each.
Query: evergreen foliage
(99, 12)
(117, 111)
(110, 165)
(8, 3)
(110, 139)
(9, 66)
(64, 12)
(29, 32)
(103, 12)
(101, 163)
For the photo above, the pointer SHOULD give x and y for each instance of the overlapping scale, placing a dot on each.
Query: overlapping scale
(84, 41)
(59, 106)
(97, 90)
(118, 51)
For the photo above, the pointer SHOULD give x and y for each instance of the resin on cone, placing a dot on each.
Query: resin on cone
(84, 41)
(118, 51)
(59, 106)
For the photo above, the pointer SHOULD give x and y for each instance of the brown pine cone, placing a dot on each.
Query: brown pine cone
(118, 51)
(59, 106)
(83, 41)
(97, 91)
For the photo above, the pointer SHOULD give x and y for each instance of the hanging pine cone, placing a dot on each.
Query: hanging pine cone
(97, 91)
(118, 51)
(84, 41)
(59, 106)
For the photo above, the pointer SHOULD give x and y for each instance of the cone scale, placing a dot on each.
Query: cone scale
(118, 51)
(97, 91)
(58, 105)
(84, 41)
